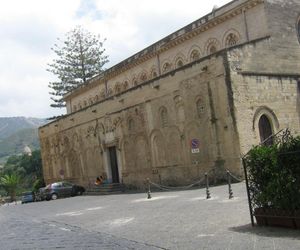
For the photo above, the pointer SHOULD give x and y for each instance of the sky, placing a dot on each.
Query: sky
(28, 30)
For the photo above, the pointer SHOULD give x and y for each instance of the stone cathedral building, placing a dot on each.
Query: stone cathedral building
(196, 100)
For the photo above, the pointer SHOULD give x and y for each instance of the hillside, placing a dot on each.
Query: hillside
(11, 125)
(16, 133)
(15, 143)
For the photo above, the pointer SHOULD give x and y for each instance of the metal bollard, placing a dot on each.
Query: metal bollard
(149, 191)
(207, 187)
(229, 185)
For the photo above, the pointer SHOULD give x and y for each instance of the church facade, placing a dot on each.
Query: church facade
(195, 101)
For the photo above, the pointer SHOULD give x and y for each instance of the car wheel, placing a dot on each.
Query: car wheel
(79, 192)
(54, 196)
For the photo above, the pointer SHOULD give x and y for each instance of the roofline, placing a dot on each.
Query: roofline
(157, 46)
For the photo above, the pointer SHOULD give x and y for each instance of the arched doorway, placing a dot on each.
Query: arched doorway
(265, 130)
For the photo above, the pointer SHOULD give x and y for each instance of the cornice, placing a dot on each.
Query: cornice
(119, 96)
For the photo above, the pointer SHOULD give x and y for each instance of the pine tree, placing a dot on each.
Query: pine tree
(79, 58)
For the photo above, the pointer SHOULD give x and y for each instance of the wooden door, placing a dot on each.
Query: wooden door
(114, 165)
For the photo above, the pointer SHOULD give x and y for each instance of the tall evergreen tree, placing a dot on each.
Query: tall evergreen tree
(79, 58)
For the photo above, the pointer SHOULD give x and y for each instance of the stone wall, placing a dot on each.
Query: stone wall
(152, 127)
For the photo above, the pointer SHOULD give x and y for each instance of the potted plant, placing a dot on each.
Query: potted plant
(274, 183)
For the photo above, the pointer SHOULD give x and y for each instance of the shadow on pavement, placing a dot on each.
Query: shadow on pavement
(276, 232)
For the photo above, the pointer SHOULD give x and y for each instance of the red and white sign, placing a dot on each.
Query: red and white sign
(195, 143)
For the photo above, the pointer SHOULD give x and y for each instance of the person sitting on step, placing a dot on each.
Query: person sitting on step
(99, 180)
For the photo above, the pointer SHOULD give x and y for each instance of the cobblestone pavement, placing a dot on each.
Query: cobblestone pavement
(170, 220)
(21, 233)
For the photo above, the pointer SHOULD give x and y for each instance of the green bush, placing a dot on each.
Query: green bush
(274, 175)
(10, 184)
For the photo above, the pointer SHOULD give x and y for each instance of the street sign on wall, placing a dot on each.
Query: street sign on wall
(195, 146)
(194, 143)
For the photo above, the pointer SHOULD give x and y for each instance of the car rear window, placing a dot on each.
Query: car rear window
(55, 184)
(67, 184)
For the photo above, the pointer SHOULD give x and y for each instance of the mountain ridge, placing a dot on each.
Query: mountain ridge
(15, 143)
(11, 125)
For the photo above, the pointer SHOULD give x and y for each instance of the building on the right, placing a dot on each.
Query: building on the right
(265, 76)
(195, 101)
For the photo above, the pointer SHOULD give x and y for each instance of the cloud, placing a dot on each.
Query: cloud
(88, 8)
(28, 30)
(132, 25)
(36, 38)
(27, 101)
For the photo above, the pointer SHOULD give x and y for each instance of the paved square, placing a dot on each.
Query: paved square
(170, 220)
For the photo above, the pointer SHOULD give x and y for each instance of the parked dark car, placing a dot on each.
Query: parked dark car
(57, 190)
(28, 197)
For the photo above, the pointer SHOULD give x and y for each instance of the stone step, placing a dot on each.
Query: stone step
(104, 189)
(108, 187)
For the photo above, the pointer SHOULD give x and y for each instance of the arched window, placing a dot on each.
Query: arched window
(164, 117)
(212, 46)
(130, 124)
(166, 67)
(109, 92)
(102, 93)
(117, 88)
(265, 130)
(125, 85)
(134, 82)
(153, 74)
(212, 49)
(143, 77)
(231, 40)
(179, 63)
(200, 108)
(195, 55)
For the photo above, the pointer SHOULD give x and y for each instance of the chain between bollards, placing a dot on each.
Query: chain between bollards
(149, 191)
(229, 185)
(207, 187)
